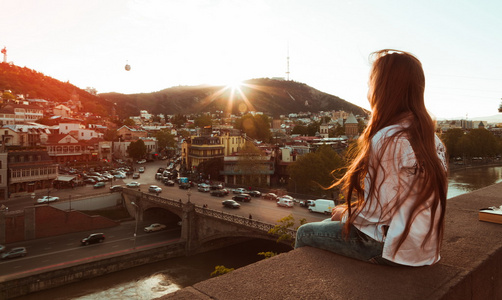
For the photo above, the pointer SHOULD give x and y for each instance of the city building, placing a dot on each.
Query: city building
(30, 170)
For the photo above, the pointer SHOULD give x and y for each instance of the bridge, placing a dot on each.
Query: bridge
(202, 229)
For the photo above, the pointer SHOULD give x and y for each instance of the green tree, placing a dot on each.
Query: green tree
(256, 127)
(300, 129)
(165, 139)
(480, 143)
(313, 172)
(178, 120)
(203, 121)
(451, 140)
(137, 149)
(284, 229)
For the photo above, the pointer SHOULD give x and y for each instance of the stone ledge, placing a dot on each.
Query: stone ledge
(470, 267)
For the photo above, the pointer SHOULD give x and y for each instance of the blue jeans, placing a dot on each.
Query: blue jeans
(328, 235)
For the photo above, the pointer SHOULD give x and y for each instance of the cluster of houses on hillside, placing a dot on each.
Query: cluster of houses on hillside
(31, 153)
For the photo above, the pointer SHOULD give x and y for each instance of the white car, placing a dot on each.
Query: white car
(155, 227)
(120, 175)
(240, 191)
(47, 199)
(133, 184)
(154, 189)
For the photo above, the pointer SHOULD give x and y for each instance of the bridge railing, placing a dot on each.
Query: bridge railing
(255, 224)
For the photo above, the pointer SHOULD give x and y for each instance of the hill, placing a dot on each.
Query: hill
(271, 96)
(35, 85)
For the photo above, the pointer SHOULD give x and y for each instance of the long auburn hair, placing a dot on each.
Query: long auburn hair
(396, 94)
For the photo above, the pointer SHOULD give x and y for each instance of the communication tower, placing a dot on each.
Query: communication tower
(287, 65)
(4, 52)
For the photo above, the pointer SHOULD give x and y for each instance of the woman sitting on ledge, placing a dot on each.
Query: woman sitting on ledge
(398, 176)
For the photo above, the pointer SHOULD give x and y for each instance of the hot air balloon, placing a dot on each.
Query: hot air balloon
(127, 67)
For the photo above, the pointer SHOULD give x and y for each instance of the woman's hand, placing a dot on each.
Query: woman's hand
(337, 212)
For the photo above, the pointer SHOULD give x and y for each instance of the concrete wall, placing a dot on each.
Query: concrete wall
(44, 280)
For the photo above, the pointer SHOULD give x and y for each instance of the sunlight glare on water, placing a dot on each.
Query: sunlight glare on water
(151, 287)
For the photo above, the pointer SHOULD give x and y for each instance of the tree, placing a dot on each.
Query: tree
(451, 140)
(480, 143)
(137, 149)
(203, 121)
(110, 135)
(283, 229)
(178, 120)
(165, 139)
(256, 127)
(313, 172)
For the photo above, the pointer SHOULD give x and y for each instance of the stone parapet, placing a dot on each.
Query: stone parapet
(470, 267)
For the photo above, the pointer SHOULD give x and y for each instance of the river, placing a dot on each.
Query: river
(155, 280)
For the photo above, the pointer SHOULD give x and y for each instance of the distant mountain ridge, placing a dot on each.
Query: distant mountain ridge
(275, 97)
(272, 96)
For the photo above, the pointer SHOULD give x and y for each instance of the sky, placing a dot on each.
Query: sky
(191, 42)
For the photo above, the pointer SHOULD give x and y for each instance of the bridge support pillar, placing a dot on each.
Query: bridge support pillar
(189, 227)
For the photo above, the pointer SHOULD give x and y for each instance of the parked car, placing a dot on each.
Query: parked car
(242, 197)
(254, 193)
(203, 188)
(270, 196)
(169, 182)
(240, 191)
(230, 203)
(184, 185)
(219, 193)
(142, 161)
(154, 189)
(135, 176)
(47, 199)
(116, 188)
(90, 181)
(133, 184)
(141, 169)
(99, 185)
(15, 252)
(306, 203)
(93, 238)
(155, 227)
(120, 175)
(2, 248)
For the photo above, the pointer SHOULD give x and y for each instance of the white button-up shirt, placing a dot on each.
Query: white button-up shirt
(393, 180)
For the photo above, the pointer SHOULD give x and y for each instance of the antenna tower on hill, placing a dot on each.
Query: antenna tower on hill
(287, 65)
(4, 52)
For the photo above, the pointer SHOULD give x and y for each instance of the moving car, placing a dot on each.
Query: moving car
(141, 169)
(169, 182)
(155, 227)
(230, 203)
(99, 185)
(203, 188)
(270, 196)
(254, 193)
(116, 188)
(93, 238)
(242, 197)
(154, 189)
(240, 191)
(141, 161)
(184, 185)
(286, 202)
(133, 184)
(15, 252)
(135, 176)
(2, 248)
(47, 199)
(219, 193)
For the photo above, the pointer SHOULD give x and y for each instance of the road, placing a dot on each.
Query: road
(65, 250)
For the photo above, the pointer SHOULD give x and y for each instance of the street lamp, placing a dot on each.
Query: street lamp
(189, 194)
(136, 228)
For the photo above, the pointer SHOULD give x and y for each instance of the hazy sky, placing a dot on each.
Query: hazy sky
(191, 42)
